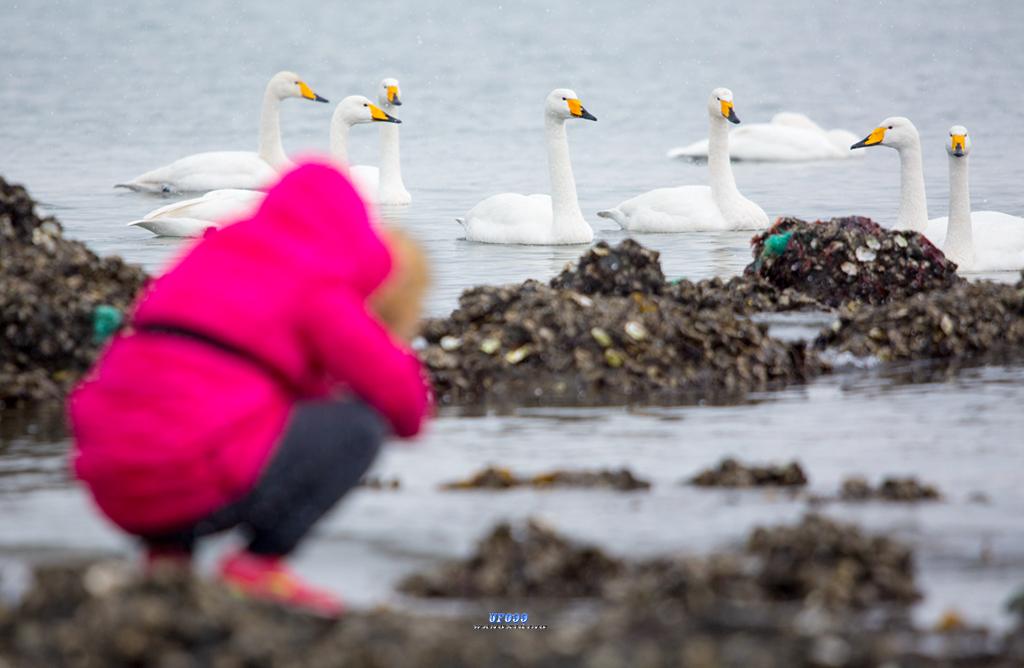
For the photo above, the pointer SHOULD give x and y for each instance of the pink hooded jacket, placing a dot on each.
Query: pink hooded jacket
(168, 429)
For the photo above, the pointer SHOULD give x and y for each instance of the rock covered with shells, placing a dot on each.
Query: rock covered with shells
(520, 562)
(732, 473)
(50, 287)
(849, 259)
(496, 477)
(857, 488)
(534, 343)
(104, 614)
(967, 320)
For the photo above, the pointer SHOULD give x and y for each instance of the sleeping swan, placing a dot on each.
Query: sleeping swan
(192, 217)
(233, 169)
(511, 218)
(789, 137)
(694, 208)
(978, 241)
(384, 184)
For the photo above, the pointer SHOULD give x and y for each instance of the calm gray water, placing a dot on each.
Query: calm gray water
(94, 93)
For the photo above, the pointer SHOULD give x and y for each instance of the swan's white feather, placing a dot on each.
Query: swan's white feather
(789, 137)
(681, 209)
(998, 240)
(511, 218)
(174, 227)
(212, 170)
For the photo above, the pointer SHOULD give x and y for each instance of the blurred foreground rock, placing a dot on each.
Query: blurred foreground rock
(50, 287)
(725, 610)
(731, 473)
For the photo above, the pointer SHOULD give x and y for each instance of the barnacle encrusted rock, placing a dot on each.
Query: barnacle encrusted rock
(495, 477)
(849, 259)
(732, 473)
(857, 488)
(50, 288)
(967, 320)
(534, 343)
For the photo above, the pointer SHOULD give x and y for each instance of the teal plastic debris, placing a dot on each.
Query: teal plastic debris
(106, 320)
(775, 245)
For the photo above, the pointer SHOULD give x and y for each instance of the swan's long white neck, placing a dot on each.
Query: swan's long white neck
(959, 245)
(339, 143)
(390, 160)
(723, 184)
(564, 203)
(270, 148)
(913, 211)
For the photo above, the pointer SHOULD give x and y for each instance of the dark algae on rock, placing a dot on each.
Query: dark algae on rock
(496, 477)
(593, 337)
(697, 613)
(732, 473)
(849, 259)
(52, 291)
(857, 488)
(966, 320)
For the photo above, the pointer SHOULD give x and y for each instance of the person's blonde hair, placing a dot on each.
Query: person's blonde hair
(398, 302)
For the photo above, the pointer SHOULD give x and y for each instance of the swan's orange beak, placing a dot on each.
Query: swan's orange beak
(957, 143)
(393, 97)
(378, 114)
(308, 93)
(876, 137)
(577, 110)
(728, 112)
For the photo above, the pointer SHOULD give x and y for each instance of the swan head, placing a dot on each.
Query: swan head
(356, 109)
(563, 103)
(290, 84)
(720, 105)
(388, 94)
(896, 131)
(959, 144)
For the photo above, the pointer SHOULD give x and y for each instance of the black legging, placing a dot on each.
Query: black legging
(325, 450)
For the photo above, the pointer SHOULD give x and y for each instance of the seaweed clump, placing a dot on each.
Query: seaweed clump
(51, 289)
(857, 488)
(967, 320)
(732, 473)
(849, 259)
(534, 343)
(495, 477)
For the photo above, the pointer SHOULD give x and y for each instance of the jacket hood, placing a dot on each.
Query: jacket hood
(315, 210)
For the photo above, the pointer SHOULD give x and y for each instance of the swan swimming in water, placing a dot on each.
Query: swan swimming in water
(976, 241)
(233, 169)
(789, 137)
(719, 206)
(192, 217)
(384, 184)
(511, 218)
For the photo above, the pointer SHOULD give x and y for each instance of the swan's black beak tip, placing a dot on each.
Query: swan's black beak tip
(317, 98)
(733, 118)
(586, 115)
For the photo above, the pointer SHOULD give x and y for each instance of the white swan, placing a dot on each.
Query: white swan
(192, 217)
(899, 133)
(384, 184)
(789, 137)
(693, 208)
(233, 169)
(511, 218)
(976, 241)
(979, 240)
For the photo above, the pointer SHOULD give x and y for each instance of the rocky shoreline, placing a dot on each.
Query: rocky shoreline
(817, 593)
(609, 329)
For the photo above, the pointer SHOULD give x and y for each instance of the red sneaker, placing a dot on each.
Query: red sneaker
(166, 560)
(269, 579)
